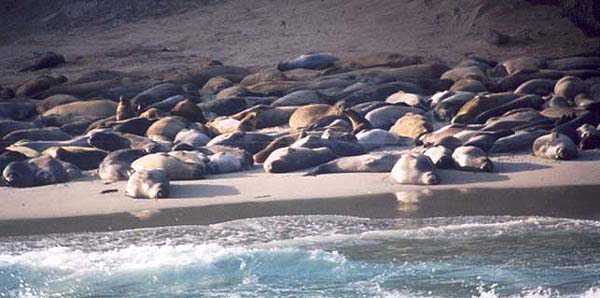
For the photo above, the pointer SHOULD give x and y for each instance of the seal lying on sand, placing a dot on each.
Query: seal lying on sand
(116, 165)
(373, 163)
(37, 171)
(175, 168)
(471, 158)
(555, 146)
(289, 159)
(308, 61)
(152, 184)
(414, 169)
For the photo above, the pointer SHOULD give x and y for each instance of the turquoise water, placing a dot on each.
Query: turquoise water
(313, 256)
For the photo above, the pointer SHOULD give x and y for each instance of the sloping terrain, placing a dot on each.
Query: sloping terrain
(156, 37)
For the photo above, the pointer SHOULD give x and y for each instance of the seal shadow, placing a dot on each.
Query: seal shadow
(195, 191)
(514, 167)
(450, 177)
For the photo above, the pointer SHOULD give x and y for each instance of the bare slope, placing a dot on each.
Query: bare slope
(158, 36)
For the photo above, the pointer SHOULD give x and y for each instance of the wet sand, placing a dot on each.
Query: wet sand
(80, 205)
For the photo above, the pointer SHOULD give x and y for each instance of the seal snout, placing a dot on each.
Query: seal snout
(487, 166)
(430, 178)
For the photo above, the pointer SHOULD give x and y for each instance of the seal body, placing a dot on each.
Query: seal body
(471, 158)
(554, 146)
(116, 165)
(414, 169)
(175, 168)
(372, 163)
(308, 61)
(151, 184)
(440, 156)
(223, 162)
(37, 171)
(290, 159)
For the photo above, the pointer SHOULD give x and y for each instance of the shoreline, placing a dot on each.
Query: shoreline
(554, 188)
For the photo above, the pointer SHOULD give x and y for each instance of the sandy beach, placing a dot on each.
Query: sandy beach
(81, 205)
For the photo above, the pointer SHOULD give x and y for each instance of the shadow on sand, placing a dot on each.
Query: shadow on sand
(190, 191)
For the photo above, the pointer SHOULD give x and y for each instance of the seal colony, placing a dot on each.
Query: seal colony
(315, 113)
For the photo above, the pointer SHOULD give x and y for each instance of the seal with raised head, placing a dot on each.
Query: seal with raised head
(471, 158)
(370, 163)
(124, 110)
(117, 165)
(555, 146)
(289, 159)
(414, 169)
(151, 184)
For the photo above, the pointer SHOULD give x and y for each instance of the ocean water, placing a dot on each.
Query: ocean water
(313, 256)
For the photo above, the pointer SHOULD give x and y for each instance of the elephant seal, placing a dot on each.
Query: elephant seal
(540, 87)
(223, 162)
(589, 137)
(272, 88)
(384, 117)
(137, 126)
(264, 75)
(101, 108)
(216, 84)
(308, 61)
(249, 141)
(151, 184)
(471, 158)
(224, 125)
(339, 147)
(36, 134)
(267, 116)
(414, 169)
(569, 86)
(192, 137)
(279, 142)
(40, 146)
(479, 104)
(166, 104)
(17, 110)
(166, 127)
(224, 107)
(306, 115)
(175, 168)
(468, 85)
(84, 158)
(447, 107)
(375, 138)
(522, 63)
(8, 126)
(117, 165)
(37, 171)
(299, 98)
(124, 110)
(39, 84)
(46, 60)
(411, 126)
(189, 111)
(555, 146)
(440, 156)
(290, 159)
(520, 141)
(155, 94)
(528, 101)
(359, 122)
(108, 141)
(8, 156)
(370, 163)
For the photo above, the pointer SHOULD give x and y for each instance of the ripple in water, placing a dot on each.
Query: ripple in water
(314, 256)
